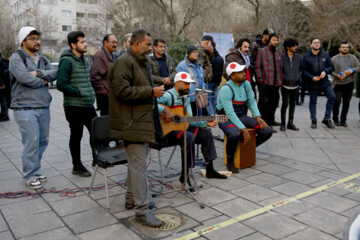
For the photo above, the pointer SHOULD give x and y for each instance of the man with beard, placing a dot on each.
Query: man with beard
(316, 67)
(30, 74)
(269, 74)
(345, 65)
(234, 97)
(102, 63)
(134, 119)
(242, 57)
(197, 133)
(79, 96)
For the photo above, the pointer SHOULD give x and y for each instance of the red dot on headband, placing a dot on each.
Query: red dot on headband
(233, 66)
(183, 76)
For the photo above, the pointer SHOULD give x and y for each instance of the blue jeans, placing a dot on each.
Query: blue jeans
(331, 98)
(212, 96)
(34, 129)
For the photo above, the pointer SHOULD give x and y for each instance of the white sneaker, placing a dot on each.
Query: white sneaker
(41, 178)
(34, 184)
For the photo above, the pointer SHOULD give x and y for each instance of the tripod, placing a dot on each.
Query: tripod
(185, 185)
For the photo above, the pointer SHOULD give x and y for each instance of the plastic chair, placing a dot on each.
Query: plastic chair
(105, 155)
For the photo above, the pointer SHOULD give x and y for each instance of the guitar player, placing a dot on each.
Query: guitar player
(196, 133)
(233, 99)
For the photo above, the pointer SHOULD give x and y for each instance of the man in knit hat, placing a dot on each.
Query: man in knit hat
(269, 74)
(30, 74)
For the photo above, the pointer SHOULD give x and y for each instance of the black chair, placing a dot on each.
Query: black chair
(159, 147)
(104, 154)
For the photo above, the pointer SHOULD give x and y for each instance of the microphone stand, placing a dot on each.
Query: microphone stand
(185, 185)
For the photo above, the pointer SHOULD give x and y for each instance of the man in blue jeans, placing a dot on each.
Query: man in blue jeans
(316, 67)
(30, 74)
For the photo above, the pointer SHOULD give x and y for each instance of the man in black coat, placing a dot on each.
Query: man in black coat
(217, 64)
(4, 89)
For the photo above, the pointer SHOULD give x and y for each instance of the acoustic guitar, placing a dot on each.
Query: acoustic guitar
(178, 122)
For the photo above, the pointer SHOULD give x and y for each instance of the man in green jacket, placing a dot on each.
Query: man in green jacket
(73, 80)
(162, 65)
(132, 105)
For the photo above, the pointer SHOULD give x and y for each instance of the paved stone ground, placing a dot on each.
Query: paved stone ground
(288, 164)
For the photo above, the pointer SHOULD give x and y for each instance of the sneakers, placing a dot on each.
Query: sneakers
(282, 127)
(328, 123)
(4, 118)
(275, 123)
(81, 171)
(313, 124)
(337, 123)
(34, 184)
(344, 124)
(41, 178)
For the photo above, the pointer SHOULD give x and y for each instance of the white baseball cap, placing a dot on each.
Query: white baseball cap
(234, 67)
(183, 76)
(24, 32)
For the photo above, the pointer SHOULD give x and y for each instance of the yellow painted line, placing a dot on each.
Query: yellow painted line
(357, 189)
(347, 185)
(266, 208)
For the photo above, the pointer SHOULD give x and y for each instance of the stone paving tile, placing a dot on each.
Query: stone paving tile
(115, 231)
(7, 167)
(236, 207)
(194, 211)
(117, 203)
(89, 220)
(6, 236)
(254, 193)
(274, 225)
(228, 184)
(33, 224)
(233, 231)
(331, 202)
(212, 196)
(10, 174)
(58, 158)
(23, 209)
(256, 236)
(58, 234)
(354, 196)
(294, 208)
(275, 169)
(323, 220)
(73, 205)
(351, 212)
(266, 180)
(3, 225)
(247, 172)
(180, 234)
(302, 177)
(310, 233)
(291, 188)
(273, 200)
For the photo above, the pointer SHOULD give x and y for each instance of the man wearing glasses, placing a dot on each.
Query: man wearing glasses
(346, 65)
(30, 74)
(316, 67)
(102, 63)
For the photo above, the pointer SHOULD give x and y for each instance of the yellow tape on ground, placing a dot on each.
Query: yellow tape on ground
(266, 208)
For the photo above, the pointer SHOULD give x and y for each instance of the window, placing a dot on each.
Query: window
(66, 28)
(66, 13)
(80, 14)
(109, 16)
(66, 0)
(92, 15)
(93, 1)
(82, 1)
(53, 2)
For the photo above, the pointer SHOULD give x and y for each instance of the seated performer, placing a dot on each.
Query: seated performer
(233, 99)
(196, 133)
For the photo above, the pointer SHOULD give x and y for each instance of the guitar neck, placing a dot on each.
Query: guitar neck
(198, 118)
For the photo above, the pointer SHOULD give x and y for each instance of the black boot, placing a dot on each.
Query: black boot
(230, 164)
(212, 173)
(292, 126)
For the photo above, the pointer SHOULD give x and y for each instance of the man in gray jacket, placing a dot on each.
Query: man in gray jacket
(30, 99)
(345, 65)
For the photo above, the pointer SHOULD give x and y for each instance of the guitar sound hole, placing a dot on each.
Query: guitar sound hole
(177, 119)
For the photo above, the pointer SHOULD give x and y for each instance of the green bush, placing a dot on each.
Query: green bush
(177, 48)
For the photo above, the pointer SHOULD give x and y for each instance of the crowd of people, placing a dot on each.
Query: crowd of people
(140, 83)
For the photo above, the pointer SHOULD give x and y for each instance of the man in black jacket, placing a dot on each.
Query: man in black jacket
(217, 64)
(291, 71)
(316, 67)
(4, 89)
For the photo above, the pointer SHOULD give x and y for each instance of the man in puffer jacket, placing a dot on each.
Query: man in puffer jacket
(74, 81)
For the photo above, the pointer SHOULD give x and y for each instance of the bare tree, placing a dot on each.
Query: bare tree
(7, 32)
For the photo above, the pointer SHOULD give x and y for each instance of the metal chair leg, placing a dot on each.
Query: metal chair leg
(170, 157)
(106, 189)
(161, 170)
(93, 178)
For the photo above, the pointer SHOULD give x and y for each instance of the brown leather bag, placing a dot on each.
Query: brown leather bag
(202, 98)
